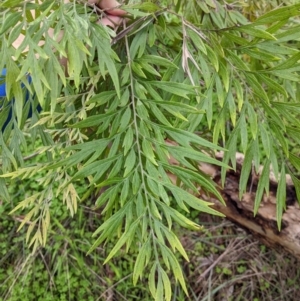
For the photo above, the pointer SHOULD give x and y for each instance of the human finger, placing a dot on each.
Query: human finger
(112, 21)
(110, 6)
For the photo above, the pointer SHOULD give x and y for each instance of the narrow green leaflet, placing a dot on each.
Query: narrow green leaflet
(158, 60)
(235, 38)
(166, 285)
(191, 200)
(279, 134)
(276, 15)
(95, 120)
(287, 64)
(102, 97)
(179, 89)
(174, 242)
(296, 182)
(95, 147)
(129, 162)
(10, 3)
(122, 240)
(288, 34)
(295, 160)
(246, 169)
(272, 84)
(255, 32)
(197, 38)
(140, 262)
(252, 120)
(263, 185)
(180, 152)
(281, 197)
(257, 87)
(265, 139)
(242, 126)
(270, 47)
(10, 21)
(185, 138)
(176, 268)
(151, 280)
(285, 74)
(258, 54)
(3, 190)
(110, 226)
(103, 46)
(146, 6)
(97, 167)
(236, 61)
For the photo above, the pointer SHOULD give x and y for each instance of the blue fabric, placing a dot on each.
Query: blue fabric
(3, 94)
(2, 85)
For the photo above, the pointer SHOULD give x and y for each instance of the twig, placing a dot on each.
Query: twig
(232, 243)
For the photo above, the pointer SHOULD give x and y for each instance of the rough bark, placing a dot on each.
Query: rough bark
(264, 224)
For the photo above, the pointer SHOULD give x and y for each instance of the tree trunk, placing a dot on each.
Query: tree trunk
(264, 224)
